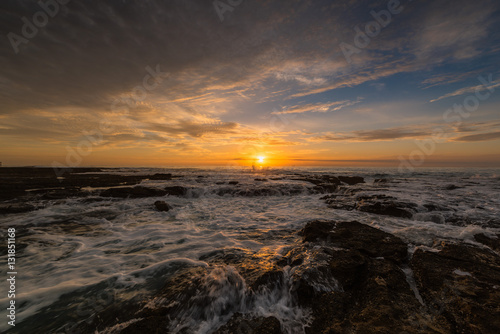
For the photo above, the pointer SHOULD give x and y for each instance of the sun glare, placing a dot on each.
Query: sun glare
(260, 159)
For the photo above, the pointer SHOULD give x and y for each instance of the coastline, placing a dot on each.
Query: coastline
(325, 276)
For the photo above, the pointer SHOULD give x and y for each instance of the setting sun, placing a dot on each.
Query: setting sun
(260, 159)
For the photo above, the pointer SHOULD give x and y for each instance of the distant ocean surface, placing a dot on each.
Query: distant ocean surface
(111, 249)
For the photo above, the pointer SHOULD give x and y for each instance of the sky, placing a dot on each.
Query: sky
(231, 82)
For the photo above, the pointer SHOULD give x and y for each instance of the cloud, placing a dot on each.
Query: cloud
(317, 107)
(376, 135)
(448, 78)
(469, 90)
(418, 131)
(479, 137)
(443, 34)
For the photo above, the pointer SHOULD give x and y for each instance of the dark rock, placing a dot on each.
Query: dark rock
(233, 183)
(351, 180)
(6, 208)
(15, 181)
(133, 192)
(353, 278)
(323, 188)
(452, 187)
(239, 324)
(389, 208)
(460, 284)
(156, 324)
(317, 230)
(176, 191)
(436, 207)
(161, 176)
(63, 193)
(493, 243)
(354, 235)
(331, 179)
(262, 180)
(162, 206)
(310, 180)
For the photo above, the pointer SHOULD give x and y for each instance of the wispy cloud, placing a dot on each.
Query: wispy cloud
(468, 90)
(318, 107)
(479, 137)
(419, 131)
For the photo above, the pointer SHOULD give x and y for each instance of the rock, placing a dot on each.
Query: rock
(351, 277)
(318, 180)
(436, 207)
(6, 208)
(160, 176)
(389, 208)
(133, 192)
(493, 243)
(380, 181)
(452, 187)
(351, 180)
(176, 191)
(317, 230)
(62, 182)
(63, 193)
(239, 324)
(323, 188)
(162, 206)
(233, 183)
(377, 204)
(460, 285)
(262, 180)
(354, 235)
(331, 179)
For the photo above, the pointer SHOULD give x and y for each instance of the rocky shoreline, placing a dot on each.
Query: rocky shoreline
(334, 277)
(350, 277)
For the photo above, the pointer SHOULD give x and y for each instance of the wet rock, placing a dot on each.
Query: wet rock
(493, 243)
(233, 183)
(239, 324)
(331, 179)
(351, 180)
(354, 235)
(389, 208)
(323, 188)
(63, 193)
(15, 181)
(376, 204)
(309, 179)
(317, 230)
(372, 292)
(133, 192)
(436, 207)
(460, 285)
(353, 278)
(176, 191)
(6, 208)
(156, 324)
(162, 206)
(161, 176)
(319, 180)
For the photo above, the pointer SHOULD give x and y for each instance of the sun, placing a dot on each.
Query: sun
(260, 159)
